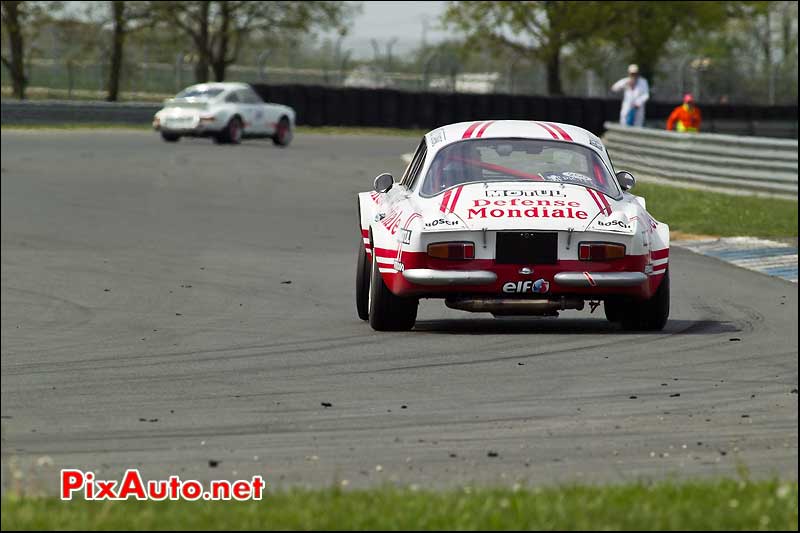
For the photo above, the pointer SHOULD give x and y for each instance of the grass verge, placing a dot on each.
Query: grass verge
(707, 505)
(318, 130)
(719, 214)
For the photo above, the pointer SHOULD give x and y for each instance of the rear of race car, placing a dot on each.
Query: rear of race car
(188, 118)
(530, 249)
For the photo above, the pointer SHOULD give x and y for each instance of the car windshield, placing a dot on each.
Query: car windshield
(198, 93)
(517, 160)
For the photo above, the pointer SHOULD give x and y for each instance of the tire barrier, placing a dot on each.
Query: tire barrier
(390, 108)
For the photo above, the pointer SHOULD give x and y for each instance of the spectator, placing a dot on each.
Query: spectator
(686, 117)
(637, 92)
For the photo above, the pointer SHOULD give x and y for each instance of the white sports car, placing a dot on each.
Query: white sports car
(226, 112)
(512, 218)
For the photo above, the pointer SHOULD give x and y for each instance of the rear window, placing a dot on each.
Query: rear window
(199, 94)
(517, 160)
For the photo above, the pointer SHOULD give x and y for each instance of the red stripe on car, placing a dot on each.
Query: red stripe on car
(596, 201)
(445, 201)
(547, 129)
(455, 198)
(472, 128)
(592, 282)
(605, 202)
(480, 131)
(659, 254)
(600, 199)
(559, 129)
(385, 253)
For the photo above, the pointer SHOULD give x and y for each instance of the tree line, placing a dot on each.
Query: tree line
(217, 30)
(759, 35)
(745, 50)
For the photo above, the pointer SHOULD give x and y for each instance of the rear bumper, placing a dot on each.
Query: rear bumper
(199, 131)
(600, 279)
(430, 277)
(417, 275)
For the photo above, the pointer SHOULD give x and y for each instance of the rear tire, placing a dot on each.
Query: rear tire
(283, 133)
(362, 283)
(170, 137)
(388, 312)
(650, 315)
(232, 134)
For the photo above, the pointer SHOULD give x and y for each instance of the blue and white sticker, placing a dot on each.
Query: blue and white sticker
(768, 257)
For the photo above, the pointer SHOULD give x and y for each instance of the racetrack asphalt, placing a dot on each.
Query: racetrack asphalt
(188, 308)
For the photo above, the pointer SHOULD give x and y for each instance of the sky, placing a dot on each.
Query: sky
(385, 21)
(382, 21)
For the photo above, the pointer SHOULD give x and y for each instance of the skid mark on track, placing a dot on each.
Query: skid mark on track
(621, 343)
(190, 356)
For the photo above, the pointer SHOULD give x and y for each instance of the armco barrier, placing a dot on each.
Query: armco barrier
(59, 111)
(749, 163)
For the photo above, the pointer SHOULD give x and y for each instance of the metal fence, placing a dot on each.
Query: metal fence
(744, 163)
(69, 76)
(169, 78)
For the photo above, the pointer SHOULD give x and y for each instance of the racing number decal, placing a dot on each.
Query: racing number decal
(405, 238)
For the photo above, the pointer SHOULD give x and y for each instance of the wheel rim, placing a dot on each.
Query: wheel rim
(235, 131)
(283, 129)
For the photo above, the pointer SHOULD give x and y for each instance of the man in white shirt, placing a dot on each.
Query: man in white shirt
(637, 92)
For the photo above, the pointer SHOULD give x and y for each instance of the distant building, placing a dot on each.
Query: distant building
(367, 77)
(468, 82)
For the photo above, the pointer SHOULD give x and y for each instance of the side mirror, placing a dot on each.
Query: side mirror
(626, 180)
(383, 182)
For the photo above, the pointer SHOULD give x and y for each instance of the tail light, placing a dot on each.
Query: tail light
(600, 251)
(452, 250)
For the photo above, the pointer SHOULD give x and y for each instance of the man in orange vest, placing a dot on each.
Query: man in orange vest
(686, 117)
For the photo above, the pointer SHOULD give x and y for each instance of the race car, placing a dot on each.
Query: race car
(226, 112)
(511, 218)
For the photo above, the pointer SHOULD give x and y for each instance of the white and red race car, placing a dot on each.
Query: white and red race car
(226, 112)
(511, 218)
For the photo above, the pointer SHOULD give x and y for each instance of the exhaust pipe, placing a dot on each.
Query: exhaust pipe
(514, 306)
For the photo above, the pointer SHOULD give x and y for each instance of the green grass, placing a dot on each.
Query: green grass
(727, 505)
(712, 213)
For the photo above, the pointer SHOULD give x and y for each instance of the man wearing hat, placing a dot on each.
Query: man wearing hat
(637, 92)
(686, 117)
